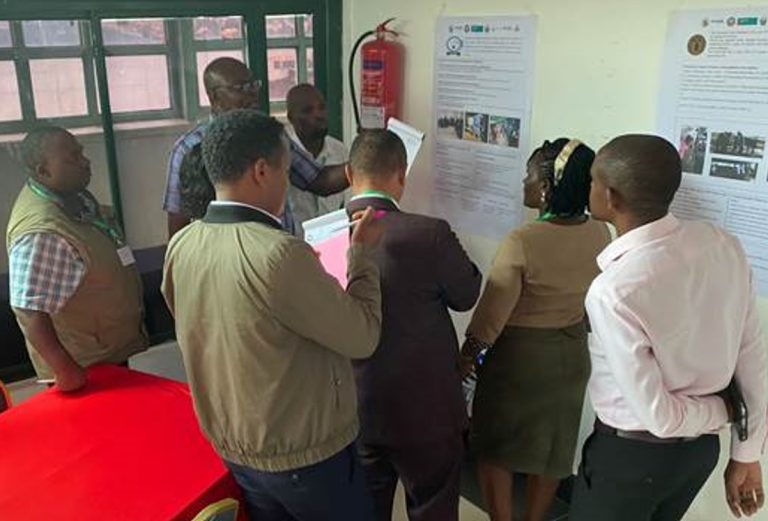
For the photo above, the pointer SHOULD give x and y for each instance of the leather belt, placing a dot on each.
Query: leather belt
(638, 435)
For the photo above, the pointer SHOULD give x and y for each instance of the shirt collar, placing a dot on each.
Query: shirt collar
(379, 202)
(222, 205)
(291, 133)
(636, 238)
(376, 194)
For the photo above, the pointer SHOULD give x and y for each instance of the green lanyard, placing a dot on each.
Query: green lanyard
(91, 215)
(549, 216)
(378, 194)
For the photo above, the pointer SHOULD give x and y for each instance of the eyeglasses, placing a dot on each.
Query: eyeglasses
(252, 85)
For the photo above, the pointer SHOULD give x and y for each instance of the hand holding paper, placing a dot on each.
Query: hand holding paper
(367, 231)
(329, 236)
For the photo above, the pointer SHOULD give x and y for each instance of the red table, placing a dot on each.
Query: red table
(128, 447)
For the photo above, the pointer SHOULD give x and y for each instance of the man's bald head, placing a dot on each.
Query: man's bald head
(307, 112)
(54, 158)
(301, 94)
(643, 169)
(36, 146)
(230, 85)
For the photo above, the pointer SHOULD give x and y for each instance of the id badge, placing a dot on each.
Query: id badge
(126, 256)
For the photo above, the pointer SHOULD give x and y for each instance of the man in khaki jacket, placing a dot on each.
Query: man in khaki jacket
(74, 285)
(267, 335)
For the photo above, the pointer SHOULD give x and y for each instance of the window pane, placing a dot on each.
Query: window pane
(308, 25)
(222, 28)
(282, 26)
(310, 65)
(138, 83)
(51, 33)
(281, 72)
(10, 105)
(5, 34)
(203, 59)
(59, 87)
(137, 31)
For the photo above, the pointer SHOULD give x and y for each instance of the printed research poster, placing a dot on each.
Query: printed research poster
(482, 113)
(714, 108)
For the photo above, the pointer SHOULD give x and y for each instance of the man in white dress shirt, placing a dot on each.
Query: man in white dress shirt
(674, 321)
(308, 116)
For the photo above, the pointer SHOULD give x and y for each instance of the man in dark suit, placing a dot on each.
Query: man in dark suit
(412, 411)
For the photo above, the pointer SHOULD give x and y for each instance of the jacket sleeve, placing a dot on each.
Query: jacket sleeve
(459, 277)
(311, 303)
(501, 293)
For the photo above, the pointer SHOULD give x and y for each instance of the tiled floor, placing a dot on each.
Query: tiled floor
(165, 360)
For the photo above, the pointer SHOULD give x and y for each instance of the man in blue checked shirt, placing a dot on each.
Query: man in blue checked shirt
(230, 85)
(74, 286)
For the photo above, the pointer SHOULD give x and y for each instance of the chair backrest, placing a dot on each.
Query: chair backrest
(224, 510)
(5, 398)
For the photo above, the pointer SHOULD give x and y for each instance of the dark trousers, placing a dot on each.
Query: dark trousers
(430, 474)
(333, 489)
(638, 480)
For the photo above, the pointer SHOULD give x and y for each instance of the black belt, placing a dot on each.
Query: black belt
(637, 435)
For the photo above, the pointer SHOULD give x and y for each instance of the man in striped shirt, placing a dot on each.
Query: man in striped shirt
(230, 85)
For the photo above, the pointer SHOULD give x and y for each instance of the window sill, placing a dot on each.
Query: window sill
(151, 128)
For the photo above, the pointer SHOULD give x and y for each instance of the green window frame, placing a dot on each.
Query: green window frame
(300, 44)
(21, 55)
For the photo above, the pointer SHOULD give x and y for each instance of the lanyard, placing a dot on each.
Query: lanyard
(90, 215)
(549, 216)
(378, 194)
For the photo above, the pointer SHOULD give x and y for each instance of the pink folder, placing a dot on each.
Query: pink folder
(333, 255)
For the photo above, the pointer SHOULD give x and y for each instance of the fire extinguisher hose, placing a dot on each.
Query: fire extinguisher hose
(352, 77)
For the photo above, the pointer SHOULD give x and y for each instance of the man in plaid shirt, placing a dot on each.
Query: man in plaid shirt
(230, 85)
(73, 282)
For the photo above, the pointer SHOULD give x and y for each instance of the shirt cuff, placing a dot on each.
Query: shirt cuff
(747, 451)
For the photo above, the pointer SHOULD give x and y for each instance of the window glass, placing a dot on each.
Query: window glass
(281, 72)
(281, 26)
(138, 83)
(137, 31)
(51, 33)
(5, 34)
(218, 28)
(58, 86)
(10, 104)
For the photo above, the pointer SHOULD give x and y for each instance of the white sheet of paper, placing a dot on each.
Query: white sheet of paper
(411, 137)
(126, 256)
(321, 228)
(714, 110)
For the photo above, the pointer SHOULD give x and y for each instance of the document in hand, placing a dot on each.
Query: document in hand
(333, 256)
(329, 236)
(411, 137)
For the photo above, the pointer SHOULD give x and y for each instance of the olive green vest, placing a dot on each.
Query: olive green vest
(104, 320)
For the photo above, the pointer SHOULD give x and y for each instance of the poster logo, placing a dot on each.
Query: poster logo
(454, 44)
(696, 44)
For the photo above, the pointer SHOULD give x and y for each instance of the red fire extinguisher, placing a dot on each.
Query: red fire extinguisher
(381, 82)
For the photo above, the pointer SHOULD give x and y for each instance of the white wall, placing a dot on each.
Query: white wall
(597, 76)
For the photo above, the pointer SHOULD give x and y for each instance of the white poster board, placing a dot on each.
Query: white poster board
(713, 106)
(483, 90)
